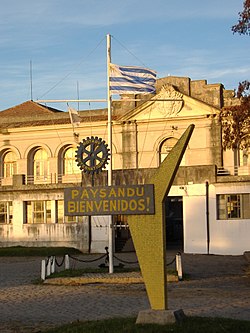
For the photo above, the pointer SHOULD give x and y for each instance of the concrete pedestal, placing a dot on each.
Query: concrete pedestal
(161, 317)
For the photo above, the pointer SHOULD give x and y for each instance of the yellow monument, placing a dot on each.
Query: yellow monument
(148, 231)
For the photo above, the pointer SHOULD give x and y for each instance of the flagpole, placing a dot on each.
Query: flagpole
(109, 97)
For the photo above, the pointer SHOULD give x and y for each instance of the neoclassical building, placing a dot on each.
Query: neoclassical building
(207, 210)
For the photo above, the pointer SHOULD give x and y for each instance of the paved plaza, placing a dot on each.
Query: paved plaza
(216, 286)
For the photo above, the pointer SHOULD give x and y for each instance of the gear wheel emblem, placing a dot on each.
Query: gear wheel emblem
(92, 155)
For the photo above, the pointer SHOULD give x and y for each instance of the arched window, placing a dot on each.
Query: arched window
(243, 157)
(40, 164)
(166, 147)
(9, 164)
(69, 162)
(242, 154)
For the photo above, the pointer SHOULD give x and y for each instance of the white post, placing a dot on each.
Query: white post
(43, 270)
(49, 267)
(66, 258)
(53, 264)
(179, 266)
(109, 98)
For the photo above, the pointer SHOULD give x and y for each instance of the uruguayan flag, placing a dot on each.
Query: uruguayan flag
(131, 80)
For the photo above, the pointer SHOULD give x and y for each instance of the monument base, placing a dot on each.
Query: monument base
(161, 317)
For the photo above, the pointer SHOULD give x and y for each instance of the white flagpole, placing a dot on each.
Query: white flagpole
(111, 266)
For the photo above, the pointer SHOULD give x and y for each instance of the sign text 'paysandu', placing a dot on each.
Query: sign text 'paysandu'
(109, 200)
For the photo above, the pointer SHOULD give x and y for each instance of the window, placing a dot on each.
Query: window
(243, 151)
(6, 212)
(166, 147)
(41, 166)
(61, 218)
(38, 212)
(9, 164)
(243, 157)
(233, 206)
(69, 162)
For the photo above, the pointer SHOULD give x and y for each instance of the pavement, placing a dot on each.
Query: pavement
(216, 286)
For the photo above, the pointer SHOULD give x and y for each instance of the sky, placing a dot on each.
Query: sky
(56, 49)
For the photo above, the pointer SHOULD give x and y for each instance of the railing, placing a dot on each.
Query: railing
(44, 179)
(55, 178)
(52, 178)
(233, 171)
(48, 266)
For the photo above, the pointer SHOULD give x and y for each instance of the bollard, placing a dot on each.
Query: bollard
(53, 264)
(179, 266)
(49, 267)
(43, 270)
(66, 261)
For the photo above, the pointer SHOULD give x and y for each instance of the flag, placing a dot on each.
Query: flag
(74, 117)
(131, 80)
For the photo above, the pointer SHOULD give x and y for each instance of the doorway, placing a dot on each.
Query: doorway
(174, 223)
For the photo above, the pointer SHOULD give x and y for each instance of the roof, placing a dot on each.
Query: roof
(34, 114)
(28, 109)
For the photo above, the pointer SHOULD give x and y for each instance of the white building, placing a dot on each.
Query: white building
(207, 210)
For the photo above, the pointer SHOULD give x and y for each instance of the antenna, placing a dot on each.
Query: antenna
(31, 88)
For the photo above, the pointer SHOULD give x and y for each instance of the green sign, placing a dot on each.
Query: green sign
(109, 200)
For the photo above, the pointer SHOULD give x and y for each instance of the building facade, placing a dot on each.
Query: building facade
(207, 210)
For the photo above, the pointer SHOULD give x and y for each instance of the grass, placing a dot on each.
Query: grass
(127, 325)
(21, 251)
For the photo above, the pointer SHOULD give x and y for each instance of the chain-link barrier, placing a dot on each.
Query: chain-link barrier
(48, 266)
(171, 262)
(87, 261)
(57, 263)
(106, 256)
(125, 261)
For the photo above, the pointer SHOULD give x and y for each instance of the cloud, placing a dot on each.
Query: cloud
(110, 12)
(120, 12)
(66, 42)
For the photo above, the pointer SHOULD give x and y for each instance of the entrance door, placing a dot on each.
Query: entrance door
(174, 222)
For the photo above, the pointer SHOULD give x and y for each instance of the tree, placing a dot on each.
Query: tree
(235, 119)
(243, 25)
